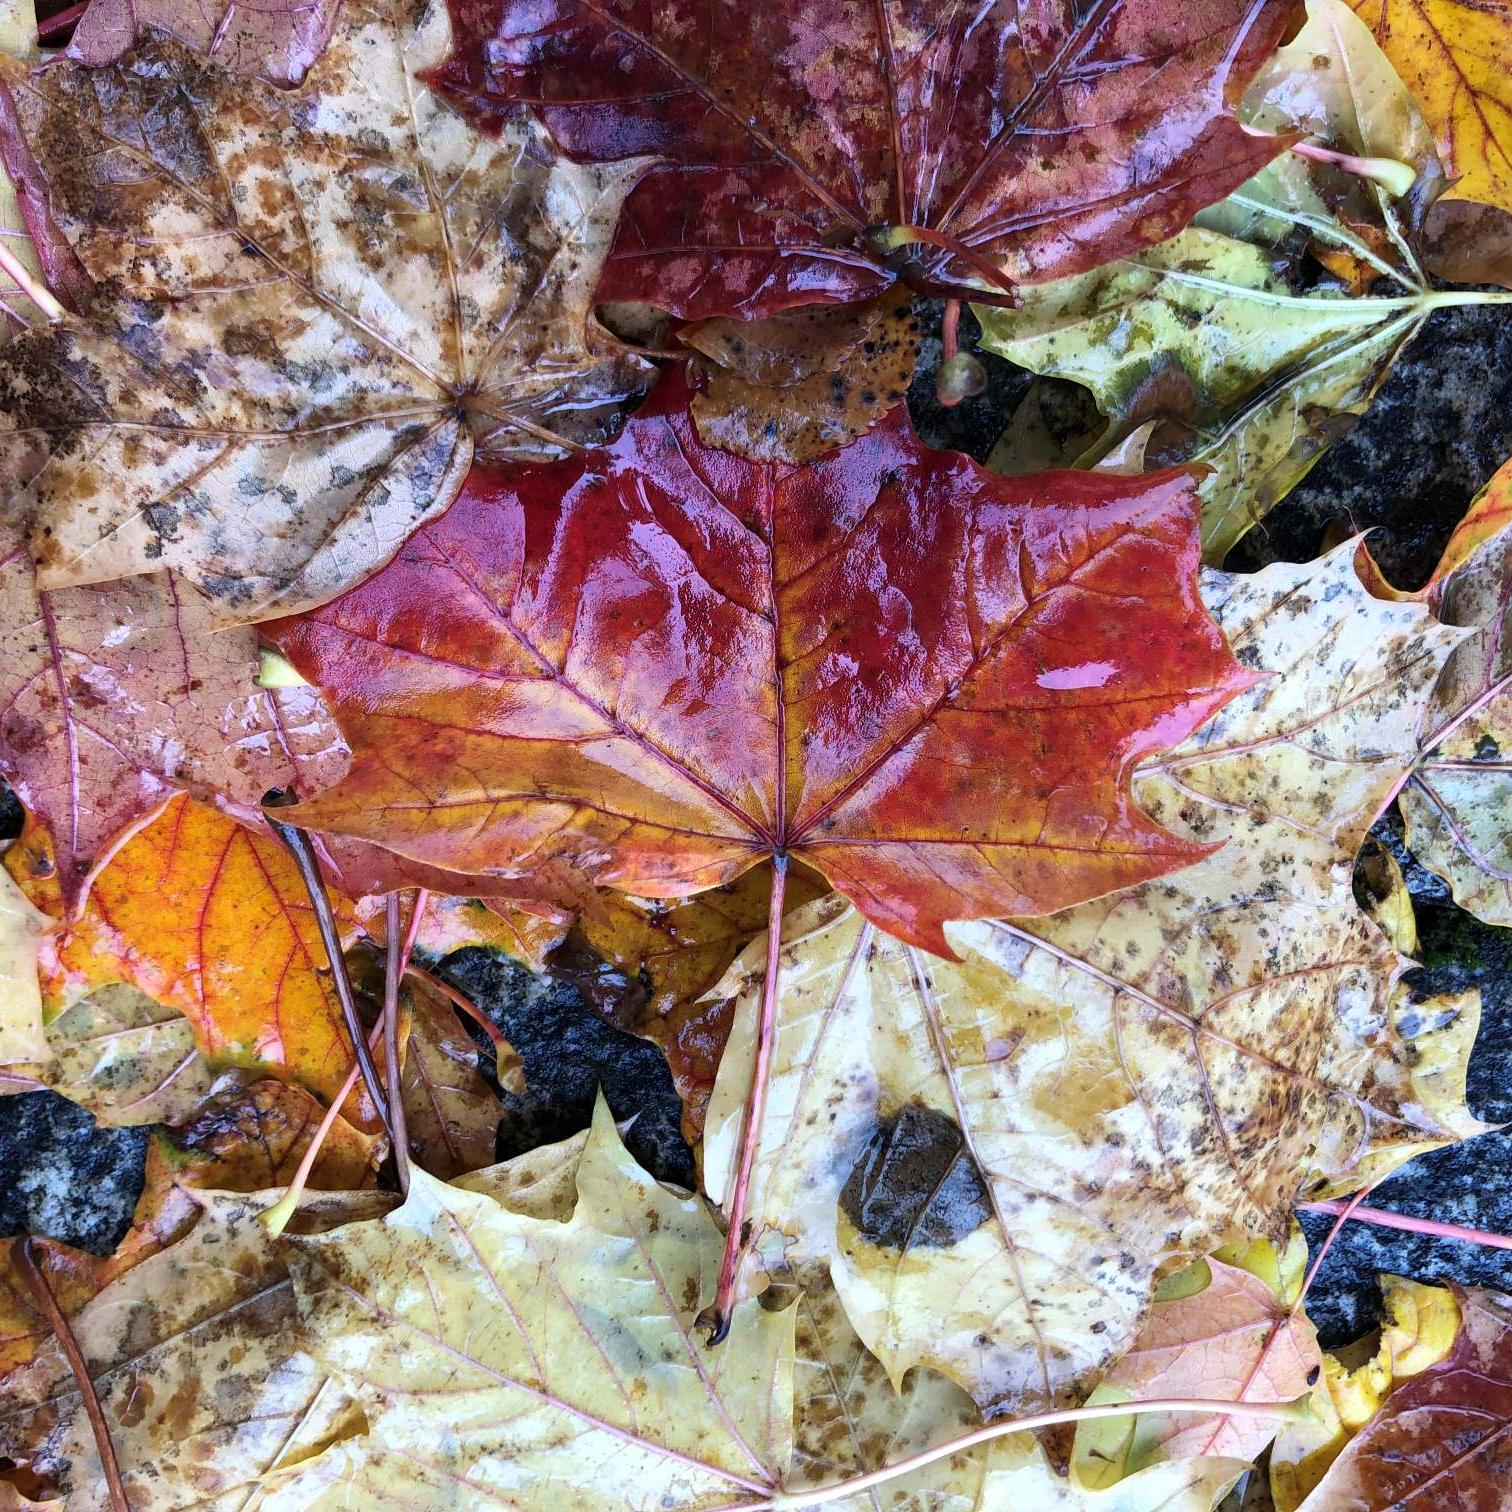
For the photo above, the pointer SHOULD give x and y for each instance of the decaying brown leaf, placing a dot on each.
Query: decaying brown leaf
(312, 307)
(993, 1156)
(793, 386)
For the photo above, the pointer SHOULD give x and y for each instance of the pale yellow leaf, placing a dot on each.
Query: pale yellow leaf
(21, 926)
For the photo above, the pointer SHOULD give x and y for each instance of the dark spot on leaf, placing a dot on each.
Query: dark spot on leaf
(915, 1183)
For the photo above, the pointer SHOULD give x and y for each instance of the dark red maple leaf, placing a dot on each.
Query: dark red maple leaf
(658, 663)
(1050, 137)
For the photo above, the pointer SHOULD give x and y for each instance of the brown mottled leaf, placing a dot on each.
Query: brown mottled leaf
(452, 1113)
(197, 1359)
(994, 1155)
(312, 308)
(276, 40)
(793, 386)
(114, 697)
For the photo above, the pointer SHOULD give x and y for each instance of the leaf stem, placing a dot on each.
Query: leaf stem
(53, 25)
(1396, 178)
(298, 845)
(393, 972)
(457, 1000)
(276, 1218)
(1345, 1211)
(1296, 1410)
(30, 285)
(888, 239)
(36, 1280)
(755, 1109)
(950, 330)
(1384, 1219)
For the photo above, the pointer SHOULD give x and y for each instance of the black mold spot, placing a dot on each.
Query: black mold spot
(915, 1183)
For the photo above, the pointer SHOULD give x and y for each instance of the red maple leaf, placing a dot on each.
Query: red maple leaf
(812, 150)
(658, 663)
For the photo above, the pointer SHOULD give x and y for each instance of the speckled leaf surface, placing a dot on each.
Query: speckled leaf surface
(196, 1357)
(517, 1368)
(658, 664)
(276, 40)
(114, 697)
(1203, 331)
(788, 133)
(1458, 803)
(126, 1058)
(312, 308)
(994, 1155)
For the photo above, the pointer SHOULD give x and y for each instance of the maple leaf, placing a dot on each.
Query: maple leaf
(529, 1345)
(993, 1156)
(1444, 1437)
(661, 665)
(1451, 56)
(1221, 1328)
(274, 39)
(209, 917)
(1457, 804)
(112, 698)
(794, 139)
(349, 293)
(22, 1037)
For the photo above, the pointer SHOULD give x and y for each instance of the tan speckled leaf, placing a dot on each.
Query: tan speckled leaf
(313, 307)
(126, 1058)
(542, 1363)
(1458, 803)
(1134, 1078)
(197, 1359)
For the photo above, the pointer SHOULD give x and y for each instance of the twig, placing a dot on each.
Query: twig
(755, 1109)
(26, 1261)
(30, 285)
(837, 1491)
(394, 970)
(298, 845)
(1383, 1219)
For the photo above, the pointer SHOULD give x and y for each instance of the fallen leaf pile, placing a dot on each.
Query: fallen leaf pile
(471, 591)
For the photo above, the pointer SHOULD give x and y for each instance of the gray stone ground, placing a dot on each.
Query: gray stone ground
(1440, 427)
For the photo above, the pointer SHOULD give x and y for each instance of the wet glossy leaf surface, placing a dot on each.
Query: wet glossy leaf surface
(926, 683)
(791, 132)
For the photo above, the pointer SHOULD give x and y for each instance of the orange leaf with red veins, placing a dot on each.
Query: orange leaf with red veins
(113, 698)
(210, 917)
(659, 664)
(1444, 1437)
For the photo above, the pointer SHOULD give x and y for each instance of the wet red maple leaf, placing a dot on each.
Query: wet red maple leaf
(1047, 136)
(658, 663)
